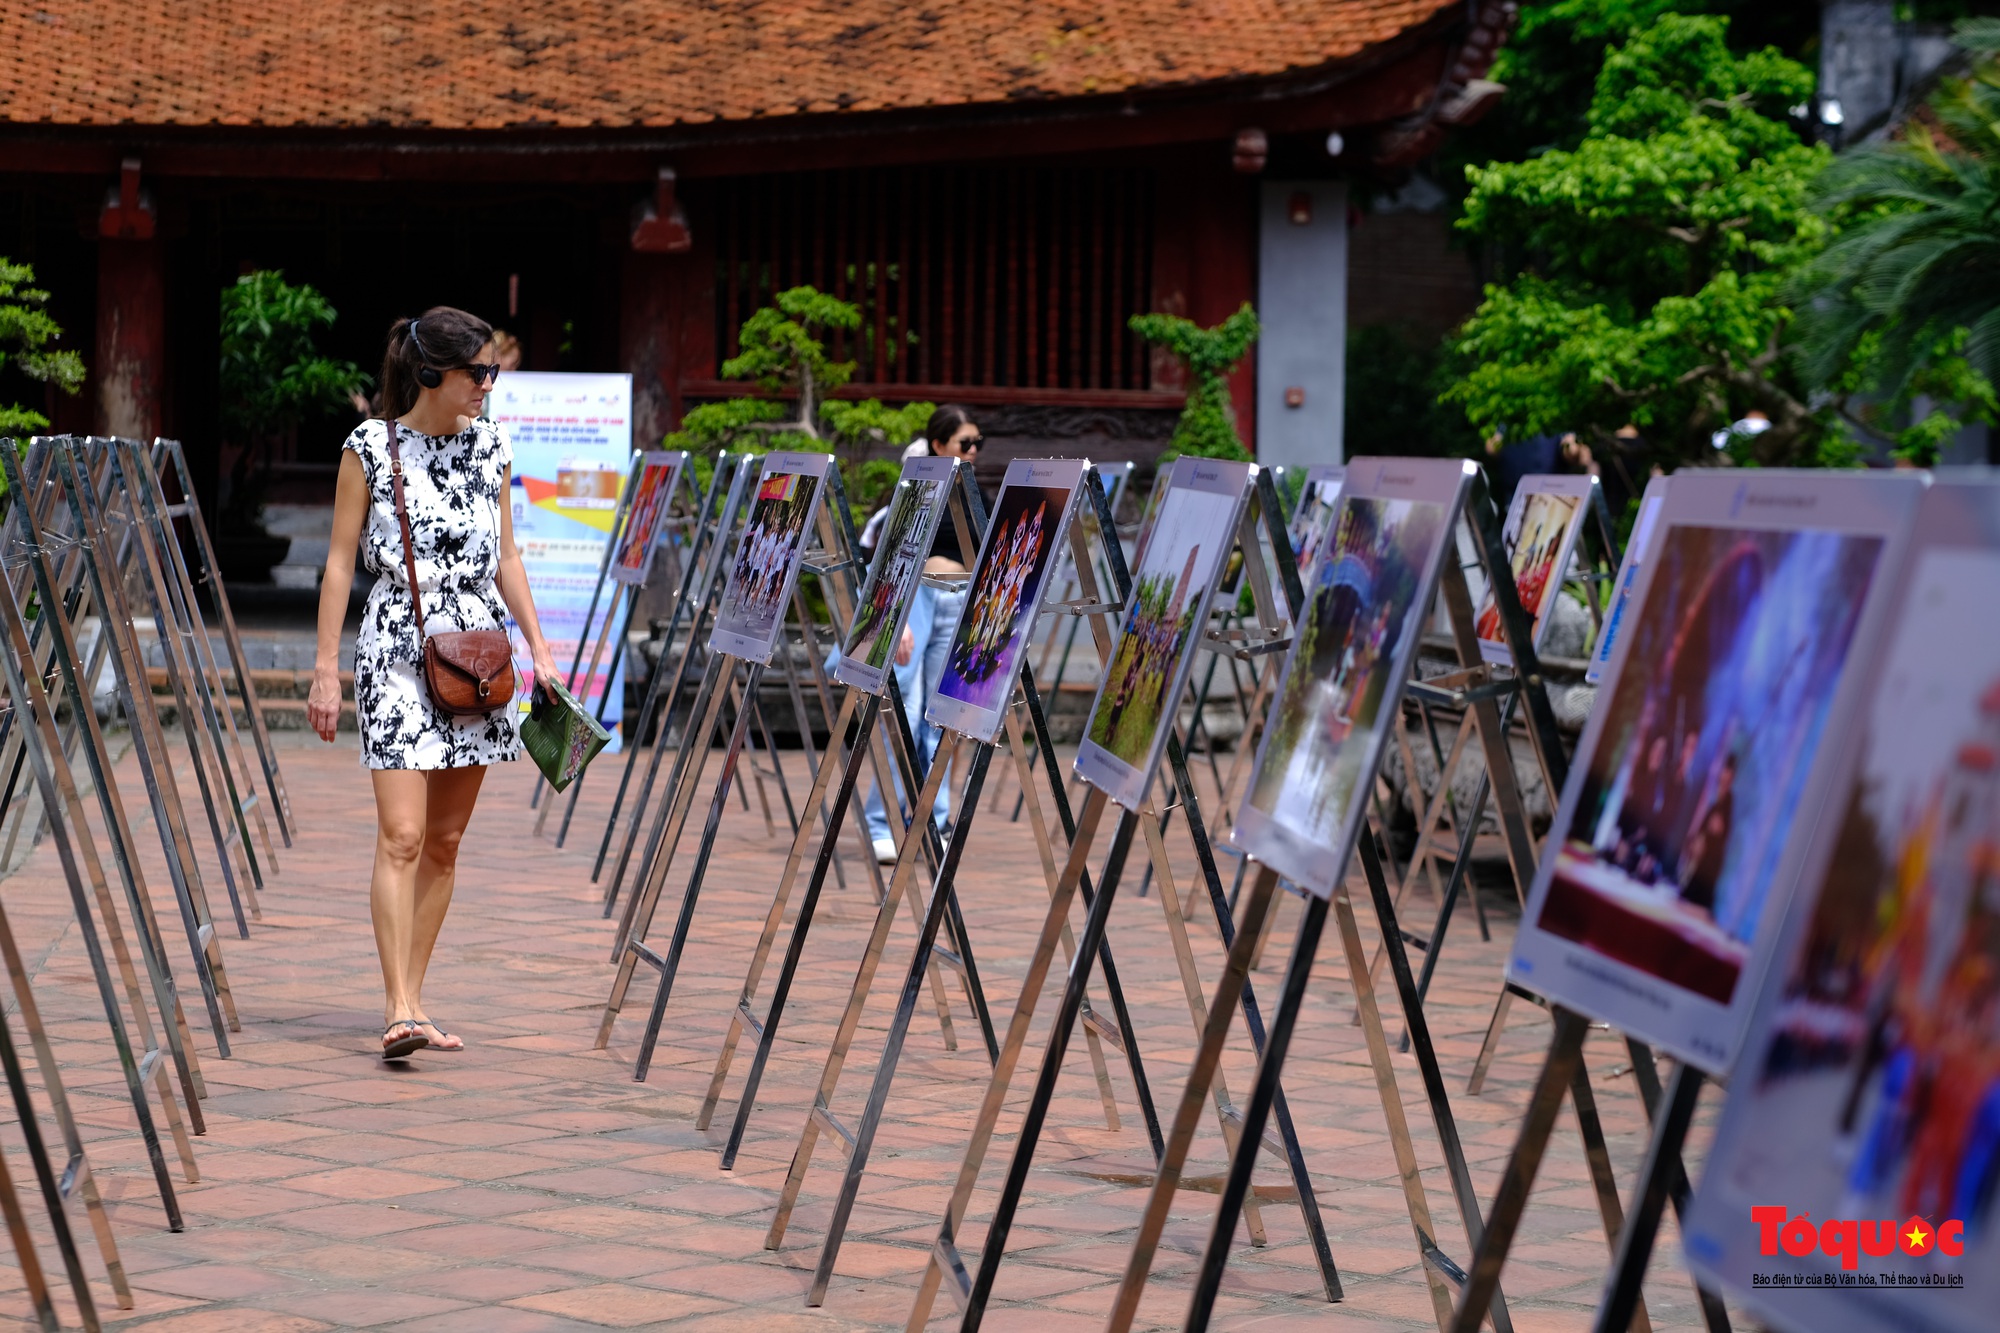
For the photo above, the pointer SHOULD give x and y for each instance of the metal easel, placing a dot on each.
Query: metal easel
(945, 1266)
(70, 832)
(837, 575)
(717, 682)
(663, 688)
(654, 544)
(189, 507)
(964, 511)
(179, 625)
(62, 466)
(145, 474)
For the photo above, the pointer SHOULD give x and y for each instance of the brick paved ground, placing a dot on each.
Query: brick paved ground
(528, 1183)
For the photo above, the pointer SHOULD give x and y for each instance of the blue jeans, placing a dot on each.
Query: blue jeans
(933, 618)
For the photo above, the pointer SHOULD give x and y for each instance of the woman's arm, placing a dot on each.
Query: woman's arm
(513, 582)
(350, 508)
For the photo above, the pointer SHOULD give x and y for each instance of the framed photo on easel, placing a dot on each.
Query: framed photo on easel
(1138, 697)
(1867, 1098)
(1540, 532)
(1365, 597)
(646, 514)
(916, 507)
(1668, 861)
(1029, 524)
(767, 556)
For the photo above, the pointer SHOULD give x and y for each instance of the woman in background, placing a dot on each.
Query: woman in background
(934, 612)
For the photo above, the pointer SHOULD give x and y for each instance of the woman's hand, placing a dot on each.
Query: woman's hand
(323, 702)
(905, 646)
(544, 666)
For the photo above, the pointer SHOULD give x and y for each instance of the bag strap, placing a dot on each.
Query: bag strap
(403, 518)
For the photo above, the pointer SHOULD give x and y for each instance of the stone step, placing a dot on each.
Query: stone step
(281, 696)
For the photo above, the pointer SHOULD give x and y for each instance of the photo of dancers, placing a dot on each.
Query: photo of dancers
(1363, 601)
(915, 509)
(1540, 530)
(1029, 522)
(1871, 1088)
(646, 516)
(1708, 741)
(767, 555)
(1190, 540)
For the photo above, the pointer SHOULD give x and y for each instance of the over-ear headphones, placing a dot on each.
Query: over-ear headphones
(427, 375)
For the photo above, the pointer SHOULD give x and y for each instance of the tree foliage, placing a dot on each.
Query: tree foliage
(1207, 425)
(1655, 254)
(1905, 301)
(273, 374)
(783, 351)
(26, 333)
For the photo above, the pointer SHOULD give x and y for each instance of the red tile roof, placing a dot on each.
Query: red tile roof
(495, 64)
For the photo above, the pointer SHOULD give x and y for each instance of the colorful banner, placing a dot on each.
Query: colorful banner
(572, 438)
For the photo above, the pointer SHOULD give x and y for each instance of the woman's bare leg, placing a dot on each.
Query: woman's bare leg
(453, 792)
(401, 800)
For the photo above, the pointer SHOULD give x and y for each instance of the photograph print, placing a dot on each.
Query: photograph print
(1636, 547)
(1027, 528)
(1698, 760)
(1364, 610)
(1869, 1087)
(1312, 519)
(916, 507)
(646, 515)
(767, 556)
(1137, 700)
(1541, 528)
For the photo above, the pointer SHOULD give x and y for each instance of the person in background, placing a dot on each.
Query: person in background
(506, 351)
(920, 654)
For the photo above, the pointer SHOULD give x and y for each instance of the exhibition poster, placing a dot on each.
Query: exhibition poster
(916, 507)
(1853, 1177)
(1344, 672)
(572, 439)
(766, 565)
(1542, 522)
(646, 516)
(1702, 763)
(1029, 524)
(1137, 700)
(1643, 529)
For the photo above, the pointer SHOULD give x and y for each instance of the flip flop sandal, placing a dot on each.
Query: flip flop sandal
(443, 1036)
(400, 1048)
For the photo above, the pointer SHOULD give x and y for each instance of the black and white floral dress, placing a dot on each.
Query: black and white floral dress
(453, 486)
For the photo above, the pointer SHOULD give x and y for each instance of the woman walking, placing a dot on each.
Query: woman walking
(426, 763)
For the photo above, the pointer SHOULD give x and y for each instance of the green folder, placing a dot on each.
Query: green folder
(560, 735)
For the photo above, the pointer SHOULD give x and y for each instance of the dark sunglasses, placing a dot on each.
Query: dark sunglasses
(482, 374)
(973, 445)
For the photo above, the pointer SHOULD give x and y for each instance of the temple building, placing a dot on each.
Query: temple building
(998, 186)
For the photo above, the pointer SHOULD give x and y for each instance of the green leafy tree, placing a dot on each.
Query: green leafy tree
(1905, 301)
(782, 349)
(1656, 254)
(26, 332)
(273, 376)
(1207, 425)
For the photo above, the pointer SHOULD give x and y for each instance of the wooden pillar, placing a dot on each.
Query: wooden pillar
(1205, 261)
(130, 367)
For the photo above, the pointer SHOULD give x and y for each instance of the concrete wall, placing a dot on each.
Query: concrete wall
(1302, 303)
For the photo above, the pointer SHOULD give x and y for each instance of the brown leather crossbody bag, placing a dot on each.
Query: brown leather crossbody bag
(467, 673)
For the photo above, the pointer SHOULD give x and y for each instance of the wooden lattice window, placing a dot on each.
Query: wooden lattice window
(1013, 277)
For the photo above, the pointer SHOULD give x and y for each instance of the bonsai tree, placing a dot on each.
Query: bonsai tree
(1207, 425)
(783, 350)
(26, 330)
(273, 375)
